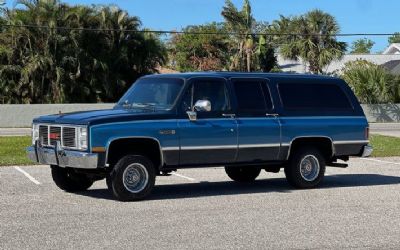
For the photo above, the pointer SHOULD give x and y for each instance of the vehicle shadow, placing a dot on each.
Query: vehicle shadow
(206, 189)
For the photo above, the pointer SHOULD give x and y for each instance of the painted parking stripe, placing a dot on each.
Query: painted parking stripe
(182, 176)
(381, 161)
(28, 176)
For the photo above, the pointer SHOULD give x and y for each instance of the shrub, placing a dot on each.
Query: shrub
(371, 83)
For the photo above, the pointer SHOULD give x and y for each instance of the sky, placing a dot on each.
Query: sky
(353, 16)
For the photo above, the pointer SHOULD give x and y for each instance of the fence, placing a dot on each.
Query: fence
(21, 115)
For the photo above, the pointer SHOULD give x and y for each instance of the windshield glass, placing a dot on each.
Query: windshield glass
(152, 93)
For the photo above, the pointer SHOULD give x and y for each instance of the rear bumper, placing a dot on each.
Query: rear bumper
(63, 158)
(367, 151)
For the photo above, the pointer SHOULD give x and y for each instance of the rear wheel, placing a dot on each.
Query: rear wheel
(306, 168)
(132, 178)
(242, 174)
(68, 180)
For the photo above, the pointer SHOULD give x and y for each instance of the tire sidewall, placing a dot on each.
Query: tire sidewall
(116, 178)
(243, 174)
(69, 181)
(293, 172)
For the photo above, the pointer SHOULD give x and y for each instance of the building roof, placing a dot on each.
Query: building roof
(392, 53)
(337, 65)
(393, 48)
(393, 67)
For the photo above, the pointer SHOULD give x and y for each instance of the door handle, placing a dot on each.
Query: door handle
(229, 115)
(271, 115)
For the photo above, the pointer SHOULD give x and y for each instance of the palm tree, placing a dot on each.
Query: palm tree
(371, 83)
(314, 40)
(241, 23)
(52, 65)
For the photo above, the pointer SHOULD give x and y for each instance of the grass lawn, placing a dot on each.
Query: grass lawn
(12, 149)
(385, 146)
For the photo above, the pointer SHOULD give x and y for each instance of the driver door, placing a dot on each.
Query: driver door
(212, 138)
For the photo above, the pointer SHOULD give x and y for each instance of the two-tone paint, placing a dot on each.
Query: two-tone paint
(229, 138)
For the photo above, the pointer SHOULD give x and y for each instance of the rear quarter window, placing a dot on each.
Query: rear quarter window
(313, 96)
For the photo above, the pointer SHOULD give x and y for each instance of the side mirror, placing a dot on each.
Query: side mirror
(192, 115)
(199, 106)
(202, 106)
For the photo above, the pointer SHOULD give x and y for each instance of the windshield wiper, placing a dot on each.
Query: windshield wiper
(151, 106)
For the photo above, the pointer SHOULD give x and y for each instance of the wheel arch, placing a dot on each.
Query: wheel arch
(131, 146)
(326, 143)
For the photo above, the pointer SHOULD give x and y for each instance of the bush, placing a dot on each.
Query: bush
(371, 83)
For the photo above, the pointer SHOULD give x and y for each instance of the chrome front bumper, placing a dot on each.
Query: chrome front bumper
(367, 151)
(62, 158)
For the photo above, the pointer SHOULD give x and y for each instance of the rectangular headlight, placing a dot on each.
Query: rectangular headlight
(35, 133)
(82, 138)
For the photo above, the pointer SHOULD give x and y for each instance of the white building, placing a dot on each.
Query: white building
(389, 59)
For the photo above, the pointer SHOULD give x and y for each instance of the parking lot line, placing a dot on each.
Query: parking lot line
(382, 161)
(182, 176)
(28, 175)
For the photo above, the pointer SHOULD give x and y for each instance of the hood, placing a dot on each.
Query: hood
(102, 116)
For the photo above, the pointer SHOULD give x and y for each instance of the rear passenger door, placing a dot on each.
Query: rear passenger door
(259, 132)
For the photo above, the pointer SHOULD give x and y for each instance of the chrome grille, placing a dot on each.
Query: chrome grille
(69, 137)
(55, 135)
(44, 135)
(49, 135)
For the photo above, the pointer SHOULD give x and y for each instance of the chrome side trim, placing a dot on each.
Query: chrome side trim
(268, 145)
(351, 142)
(209, 147)
(63, 158)
(170, 148)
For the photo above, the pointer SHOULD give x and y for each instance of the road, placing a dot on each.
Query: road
(357, 207)
(389, 129)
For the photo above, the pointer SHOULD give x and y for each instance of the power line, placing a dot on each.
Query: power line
(160, 32)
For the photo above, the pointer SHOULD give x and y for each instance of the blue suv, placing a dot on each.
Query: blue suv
(245, 122)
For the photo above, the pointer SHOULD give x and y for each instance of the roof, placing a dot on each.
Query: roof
(393, 67)
(393, 48)
(337, 65)
(239, 74)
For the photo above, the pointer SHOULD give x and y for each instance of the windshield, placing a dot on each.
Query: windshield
(152, 93)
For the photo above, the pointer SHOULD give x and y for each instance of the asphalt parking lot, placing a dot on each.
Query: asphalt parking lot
(357, 207)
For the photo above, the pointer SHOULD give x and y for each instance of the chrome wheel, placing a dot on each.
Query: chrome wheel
(135, 177)
(309, 168)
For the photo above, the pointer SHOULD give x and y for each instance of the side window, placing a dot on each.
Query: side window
(213, 90)
(313, 96)
(253, 97)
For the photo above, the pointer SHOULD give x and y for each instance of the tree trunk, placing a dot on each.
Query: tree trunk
(248, 59)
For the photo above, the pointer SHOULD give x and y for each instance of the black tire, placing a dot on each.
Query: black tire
(70, 181)
(243, 174)
(109, 182)
(142, 167)
(293, 170)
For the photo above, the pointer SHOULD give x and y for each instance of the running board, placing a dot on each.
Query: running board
(337, 165)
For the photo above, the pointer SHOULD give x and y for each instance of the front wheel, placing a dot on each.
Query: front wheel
(68, 180)
(306, 168)
(243, 174)
(132, 178)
